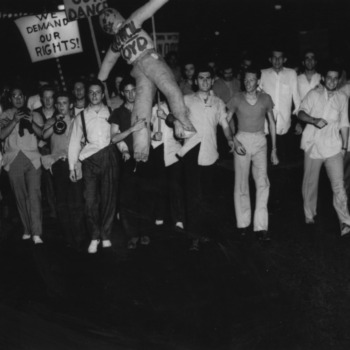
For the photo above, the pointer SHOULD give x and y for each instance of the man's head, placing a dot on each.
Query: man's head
(204, 78)
(17, 97)
(251, 78)
(96, 91)
(227, 72)
(117, 81)
(332, 75)
(79, 90)
(63, 102)
(128, 89)
(111, 21)
(277, 59)
(309, 61)
(189, 70)
(47, 93)
(246, 62)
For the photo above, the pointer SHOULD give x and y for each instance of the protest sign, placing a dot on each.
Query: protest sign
(49, 35)
(167, 42)
(76, 9)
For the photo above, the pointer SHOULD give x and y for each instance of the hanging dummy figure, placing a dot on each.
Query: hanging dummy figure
(149, 70)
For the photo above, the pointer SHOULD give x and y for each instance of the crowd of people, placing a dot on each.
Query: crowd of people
(78, 150)
(97, 158)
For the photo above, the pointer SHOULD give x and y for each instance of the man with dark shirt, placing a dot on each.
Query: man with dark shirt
(133, 186)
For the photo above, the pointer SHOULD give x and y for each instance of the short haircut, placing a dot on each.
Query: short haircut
(17, 87)
(96, 82)
(78, 81)
(308, 51)
(332, 67)
(128, 80)
(253, 70)
(62, 93)
(204, 68)
(46, 87)
(278, 48)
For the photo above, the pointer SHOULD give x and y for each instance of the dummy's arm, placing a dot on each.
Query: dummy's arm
(146, 11)
(109, 61)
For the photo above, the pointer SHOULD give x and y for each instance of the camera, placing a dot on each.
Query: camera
(60, 125)
(24, 123)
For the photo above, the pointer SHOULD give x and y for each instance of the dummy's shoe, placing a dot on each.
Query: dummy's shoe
(159, 222)
(93, 246)
(106, 243)
(345, 229)
(145, 240)
(37, 240)
(26, 236)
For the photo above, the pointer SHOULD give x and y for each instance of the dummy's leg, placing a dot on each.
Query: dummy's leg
(145, 91)
(154, 67)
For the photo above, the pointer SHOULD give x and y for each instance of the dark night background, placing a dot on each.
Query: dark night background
(248, 25)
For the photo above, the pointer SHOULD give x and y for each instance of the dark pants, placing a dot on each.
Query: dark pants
(168, 186)
(47, 186)
(100, 175)
(137, 198)
(69, 204)
(198, 186)
(347, 173)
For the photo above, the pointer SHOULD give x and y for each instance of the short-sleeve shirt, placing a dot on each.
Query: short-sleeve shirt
(131, 42)
(122, 117)
(325, 142)
(251, 118)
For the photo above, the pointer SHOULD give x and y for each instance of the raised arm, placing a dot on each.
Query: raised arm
(146, 11)
(108, 63)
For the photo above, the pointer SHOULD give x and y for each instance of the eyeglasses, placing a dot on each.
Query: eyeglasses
(94, 93)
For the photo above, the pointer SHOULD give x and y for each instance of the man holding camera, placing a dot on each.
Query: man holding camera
(19, 130)
(69, 195)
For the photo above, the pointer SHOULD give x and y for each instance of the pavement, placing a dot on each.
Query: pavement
(232, 294)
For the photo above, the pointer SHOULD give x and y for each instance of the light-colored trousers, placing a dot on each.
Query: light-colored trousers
(335, 172)
(256, 154)
(25, 181)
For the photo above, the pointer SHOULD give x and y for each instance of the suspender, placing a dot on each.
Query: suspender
(84, 126)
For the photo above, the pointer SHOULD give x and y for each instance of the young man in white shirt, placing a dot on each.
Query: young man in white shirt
(310, 78)
(199, 153)
(100, 167)
(325, 140)
(281, 84)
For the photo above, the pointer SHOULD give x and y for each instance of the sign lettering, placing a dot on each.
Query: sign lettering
(76, 9)
(49, 35)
